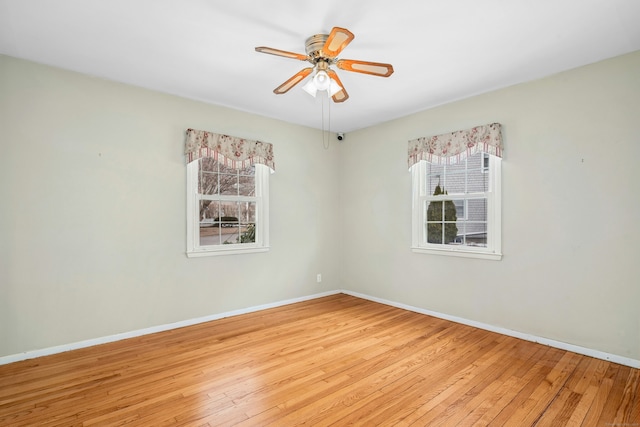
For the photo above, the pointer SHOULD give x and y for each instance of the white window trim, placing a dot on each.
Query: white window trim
(193, 212)
(493, 251)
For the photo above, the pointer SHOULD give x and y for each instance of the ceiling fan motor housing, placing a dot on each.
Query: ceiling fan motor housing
(314, 45)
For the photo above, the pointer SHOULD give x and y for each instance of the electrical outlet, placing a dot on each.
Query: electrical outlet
(319, 278)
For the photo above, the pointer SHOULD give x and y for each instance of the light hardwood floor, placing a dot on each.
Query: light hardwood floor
(332, 361)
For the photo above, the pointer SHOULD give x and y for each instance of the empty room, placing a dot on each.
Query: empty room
(324, 214)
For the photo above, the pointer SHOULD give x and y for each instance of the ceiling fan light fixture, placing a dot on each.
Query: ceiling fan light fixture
(322, 80)
(310, 88)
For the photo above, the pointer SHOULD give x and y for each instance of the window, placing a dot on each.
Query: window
(457, 207)
(227, 201)
(456, 200)
(228, 208)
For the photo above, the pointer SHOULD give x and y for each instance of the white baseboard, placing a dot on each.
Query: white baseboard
(528, 337)
(117, 337)
(152, 330)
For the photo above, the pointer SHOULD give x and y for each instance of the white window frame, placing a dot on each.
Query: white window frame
(261, 198)
(493, 250)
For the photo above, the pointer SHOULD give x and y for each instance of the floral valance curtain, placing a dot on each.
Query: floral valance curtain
(233, 152)
(450, 148)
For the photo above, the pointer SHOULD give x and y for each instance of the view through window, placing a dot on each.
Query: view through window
(227, 208)
(456, 206)
(227, 203)
(456, 212)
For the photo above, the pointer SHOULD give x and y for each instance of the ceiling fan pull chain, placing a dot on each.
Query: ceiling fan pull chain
(328, 131)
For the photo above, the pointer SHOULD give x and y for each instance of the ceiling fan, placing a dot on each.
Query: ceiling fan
(322, 51)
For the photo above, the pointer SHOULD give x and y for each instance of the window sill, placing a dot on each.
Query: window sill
(218, 252)
(458, 253)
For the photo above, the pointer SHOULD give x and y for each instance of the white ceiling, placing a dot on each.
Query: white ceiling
(441, 50)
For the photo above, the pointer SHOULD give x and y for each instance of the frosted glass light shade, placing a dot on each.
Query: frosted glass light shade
(310, 88)
(322, 80)
(334, 87)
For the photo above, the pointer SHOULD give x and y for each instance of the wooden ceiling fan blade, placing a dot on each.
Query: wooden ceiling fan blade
(342, 95)
(365, 67)
(294, 80)
(338, 39)
(278, 52)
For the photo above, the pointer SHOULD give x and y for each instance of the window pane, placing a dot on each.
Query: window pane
(208, 212)
(247, 222)
(247, 185)
(455, 176)
(476, 225)
(433, 232)
(227, 170)
(208, 164)
(476, 234)
(209, 232)
(459, 206)
(475, 161)
(478, 181)
(434, 211)
(477, 176)
(435, 176)
(208, 176)
(229, 184)
(228, 213)
(209, 236)
(228, 180)
(230, 234)
(477, 210)
(247, 212)
(208, 183)
(249, 171)
(437, 231)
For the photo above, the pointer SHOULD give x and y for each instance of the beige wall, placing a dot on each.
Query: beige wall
(571, 211)
(92, 217)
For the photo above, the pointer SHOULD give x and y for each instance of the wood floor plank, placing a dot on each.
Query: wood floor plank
(484, 380)
(500, 392)
(332, 361)
(628, 412)
(615, 396)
